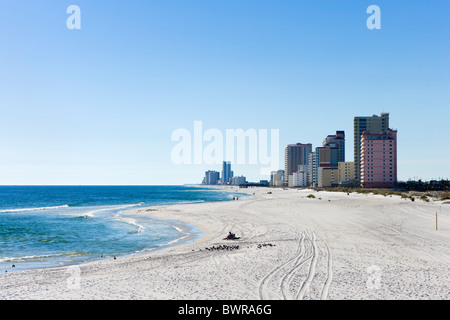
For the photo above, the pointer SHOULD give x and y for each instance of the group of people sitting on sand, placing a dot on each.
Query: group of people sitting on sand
(231, 236)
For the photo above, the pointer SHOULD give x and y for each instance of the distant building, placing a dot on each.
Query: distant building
(328, 156)
(314, 160)
(238, 180)
(277, 178)
(261, 183)
(379, 159)
(337, 143)
(211, 177)
(227, 174)
(295, 155)
(346, 172)
(312, 166)
(327, 177)
(322, 157)
(300, 177)
(374, 124)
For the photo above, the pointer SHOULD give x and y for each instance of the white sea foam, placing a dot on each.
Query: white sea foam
(177, 228)
(131, 221)
(33, 209)
(188, 201)
(176, 240)
(37, 257)
(91, 213)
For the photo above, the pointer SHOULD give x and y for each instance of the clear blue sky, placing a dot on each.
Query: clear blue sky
(99, 105)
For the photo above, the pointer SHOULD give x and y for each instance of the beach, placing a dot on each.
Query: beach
(331, 246)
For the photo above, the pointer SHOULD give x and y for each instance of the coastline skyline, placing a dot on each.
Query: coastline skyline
(98, 105)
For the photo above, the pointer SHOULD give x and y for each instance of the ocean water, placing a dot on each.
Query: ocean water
(47, 226)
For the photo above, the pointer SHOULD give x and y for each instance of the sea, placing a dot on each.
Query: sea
(50, 226)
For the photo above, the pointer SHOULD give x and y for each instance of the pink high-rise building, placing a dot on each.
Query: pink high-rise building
(379, 159)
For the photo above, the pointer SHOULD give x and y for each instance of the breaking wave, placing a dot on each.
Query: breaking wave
(33, 209)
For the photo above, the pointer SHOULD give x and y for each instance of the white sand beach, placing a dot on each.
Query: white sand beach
(334, 246)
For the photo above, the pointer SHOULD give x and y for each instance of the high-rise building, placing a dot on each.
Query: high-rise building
(311, 167)
(211, 177)
(299, 178)
(319, 157)
(327, 177)
(295, 155)
(227, 174)
(238, 180)
(379, 159)
(322, 157)
(374, 124)
(328, 156)
(337, 142)
(346, 172)
(277, 178)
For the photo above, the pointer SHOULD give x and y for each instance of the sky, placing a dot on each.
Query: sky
(98, 105)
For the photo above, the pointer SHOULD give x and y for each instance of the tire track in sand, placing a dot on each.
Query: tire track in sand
(329, 278)
(287, 278)
(315, 256)
(263, 291)
(311, 271)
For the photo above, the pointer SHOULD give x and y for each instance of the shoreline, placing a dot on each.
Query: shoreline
(291, 247)
(189, 233)
(192, 231)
